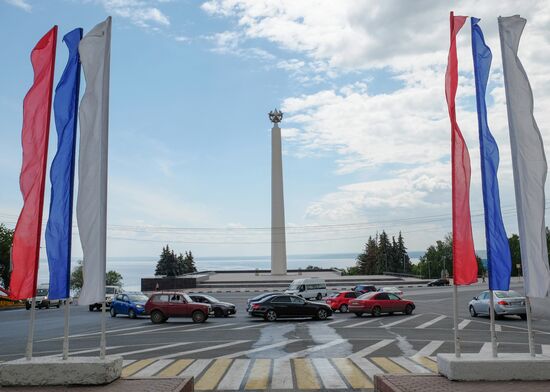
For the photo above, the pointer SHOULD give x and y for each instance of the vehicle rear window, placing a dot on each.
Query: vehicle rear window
(161, 298)
(282, 298)
(367, 295)
(507, 294)
(350, 295)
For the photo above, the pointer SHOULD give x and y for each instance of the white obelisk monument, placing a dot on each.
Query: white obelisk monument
(278, 237)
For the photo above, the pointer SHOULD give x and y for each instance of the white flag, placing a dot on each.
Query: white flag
(528, 159)
(91, 206)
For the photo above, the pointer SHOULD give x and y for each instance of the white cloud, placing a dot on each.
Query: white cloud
(23, 4)
(140, 12)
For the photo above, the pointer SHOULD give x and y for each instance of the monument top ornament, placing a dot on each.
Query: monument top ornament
(275, 116)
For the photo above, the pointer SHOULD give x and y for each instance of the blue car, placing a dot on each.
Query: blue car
(130, 303)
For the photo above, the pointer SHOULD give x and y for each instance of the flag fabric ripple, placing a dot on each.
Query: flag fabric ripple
(528, 161)
(36, 126)
(59, 227)
(464, 259)
(91, 205)
(499, 260)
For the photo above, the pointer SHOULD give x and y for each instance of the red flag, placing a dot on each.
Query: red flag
(34, 138)
(464, 258)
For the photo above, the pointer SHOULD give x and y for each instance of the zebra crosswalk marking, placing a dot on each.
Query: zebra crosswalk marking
(258, 349)
(368, 367)
(388, 366)
(351, 372)
(545, 349)
(175, 368)
(196, 368)
(136, 367)
(305, 374)
(235, 375)
(313, 349)
(431, 322)
(464, 323)
(372, 348)
(362, 323)
(328, 374)
(430, 348)
(153, 368)
(498, 328)
(486, 348)
(409, 365)
(403, 320)
(213, 375)
(426, 362)
(259, 375)
(282, 375)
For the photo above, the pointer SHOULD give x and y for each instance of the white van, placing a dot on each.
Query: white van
(308, 288)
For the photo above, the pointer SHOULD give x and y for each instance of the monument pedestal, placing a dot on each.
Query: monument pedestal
(41, 371)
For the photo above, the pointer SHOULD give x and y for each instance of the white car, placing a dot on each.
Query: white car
(393, 290)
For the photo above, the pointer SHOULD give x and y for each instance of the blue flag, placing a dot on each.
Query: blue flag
(499, 261)
(59, 228)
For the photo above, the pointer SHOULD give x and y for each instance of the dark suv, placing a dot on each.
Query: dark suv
(364, 288)
(162, 306)
(439, 282)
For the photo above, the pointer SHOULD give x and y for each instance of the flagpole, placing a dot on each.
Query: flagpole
(455, 315)
(30, 337)
(102, 343)
(530, 327)
(492, 316)
(66, 331)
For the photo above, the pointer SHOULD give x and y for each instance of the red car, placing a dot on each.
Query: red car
(163, 305)
(378, 303)
(340, 301)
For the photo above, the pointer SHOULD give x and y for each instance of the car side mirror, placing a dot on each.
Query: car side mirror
(475, 298)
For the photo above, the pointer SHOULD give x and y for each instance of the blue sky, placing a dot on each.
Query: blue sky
(365, 134)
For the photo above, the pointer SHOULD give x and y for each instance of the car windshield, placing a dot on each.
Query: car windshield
(293, 286)
(210, 299)
(138, 297)
(42, 292)
(334, 295)
(367, 295)
(507, 294)
(109, 290)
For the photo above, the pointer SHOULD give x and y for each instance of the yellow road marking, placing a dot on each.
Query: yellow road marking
(353, 375)
(259, 375)
(388, 365)
(426, 362)
(176, 368)
(213, 375)
(136, 367)
(306, 377)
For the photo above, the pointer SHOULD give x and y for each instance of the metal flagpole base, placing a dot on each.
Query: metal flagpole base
(30, 337)
(530, 327)
(455, 316)
(66, 332)
(102, 347)
(493, 332)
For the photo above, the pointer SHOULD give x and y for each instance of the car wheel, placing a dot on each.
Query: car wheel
(376, 311)
(358, 314)
(58, 304)
(408, 309)
(523, 316)
(27, 305)
(113, 312)
(473, 312)
(271, 315)
(157, 317)
(91, 308)
(321, 314)
(319, 296)
(344, 308)
(198, 316)
(131, 313)
(218, 312)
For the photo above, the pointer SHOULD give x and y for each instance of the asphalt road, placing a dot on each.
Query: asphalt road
(344, 348)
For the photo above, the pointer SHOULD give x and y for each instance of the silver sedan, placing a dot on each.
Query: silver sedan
(506, 303)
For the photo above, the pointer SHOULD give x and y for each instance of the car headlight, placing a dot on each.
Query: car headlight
(139, 306)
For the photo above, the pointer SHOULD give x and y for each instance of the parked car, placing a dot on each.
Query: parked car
(292, 306)
(41, 300)
(131, 303)
(162, 306)
(364, 288)
(506, 303)
(258, 298)
(340, 301)
(110, 292)
(439, 282)
(308, 288)
(221, 309)
(393, 290)
(377, 303)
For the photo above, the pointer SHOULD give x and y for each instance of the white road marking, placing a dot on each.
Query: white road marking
(157, 330)
(153, 368)
(431, 322)
(367, 367)
(258, 349)
(200, 350)
(235, 375)
(409, 365)
(486, 348)
(404, 319)
(195, 369)
(372, 348)
(249, 326)
(464, 323)
(97, 333)
(498, 328)
(337, 321)
(329, 376)
(127, 362)
(429, 349)
(362, 323)
(307, 351)
(156, 348)
(282, 375)
(545, 349)
(90, 350)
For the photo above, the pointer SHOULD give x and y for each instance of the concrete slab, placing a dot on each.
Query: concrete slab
(120, 385)
(506, 367)
(56, 371)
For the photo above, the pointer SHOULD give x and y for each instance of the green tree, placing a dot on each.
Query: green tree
(384, 253)
(367, 261)
(189, 263)
(112, 278)
(403, 259)
(6, 239)
(168, 264)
